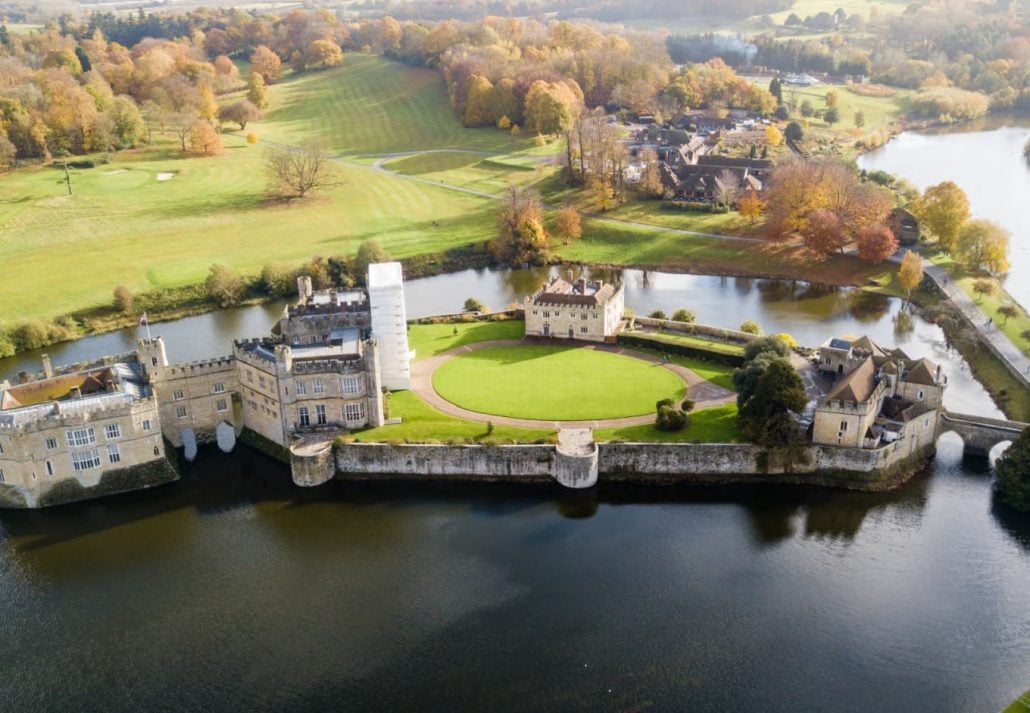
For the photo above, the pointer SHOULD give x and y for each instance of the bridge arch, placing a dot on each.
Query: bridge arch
(980, 436)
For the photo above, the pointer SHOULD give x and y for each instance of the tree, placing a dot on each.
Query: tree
(876, 243)
(123, 299)
(322, 53)
(474, 305)
(726, 187)
(297, 172)
(1008, 311)
(750, 206)
(224, 285)
(657, 314)
(207, 107)
(239, 112)
(1012, 471)
(766, 345)
(910, 274)
(205, 140)
(766, 418)
(567, 224)
(750, 326)
(504, 123)
(369, 252)
(773, 136)
(983, 245)
(684, 315)
(670, 418)
(252, 138)
(859, 119)
(943, 209)
(823, 232)
(983, 287)
(265, 62)
(518, 218)
(277, 280)
(256, 90)
(650, 184)
(181, 123)
(807, 110)
(794, 132)
(776, 89)
(832, 116)
(479, 106)
(831, 98)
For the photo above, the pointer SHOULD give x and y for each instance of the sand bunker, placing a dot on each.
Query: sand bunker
(118, 170)
(165, 176)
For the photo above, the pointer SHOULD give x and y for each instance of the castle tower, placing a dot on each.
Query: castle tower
(152, 355)
(389, 323)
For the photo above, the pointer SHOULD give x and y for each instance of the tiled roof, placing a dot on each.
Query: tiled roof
(858, 385)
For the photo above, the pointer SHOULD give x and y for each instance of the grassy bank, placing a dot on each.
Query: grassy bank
(711, 425)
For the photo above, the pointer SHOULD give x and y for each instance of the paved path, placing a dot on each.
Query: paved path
(704, 393)
(1018, 362)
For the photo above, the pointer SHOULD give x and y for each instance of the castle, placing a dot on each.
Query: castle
(96, 428)
(881, 397)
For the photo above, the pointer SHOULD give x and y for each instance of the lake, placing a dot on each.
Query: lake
(985, 158)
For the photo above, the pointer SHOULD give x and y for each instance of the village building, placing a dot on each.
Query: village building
(881, 397)
(589, 310)
(905, 226)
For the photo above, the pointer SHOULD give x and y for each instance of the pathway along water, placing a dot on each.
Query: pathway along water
(232, 585)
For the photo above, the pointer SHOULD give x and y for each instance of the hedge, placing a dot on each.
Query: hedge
(636, 340)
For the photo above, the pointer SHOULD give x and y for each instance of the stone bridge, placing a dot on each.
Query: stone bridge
(979, 434)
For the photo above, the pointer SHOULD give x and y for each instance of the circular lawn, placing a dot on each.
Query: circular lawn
(554, 383)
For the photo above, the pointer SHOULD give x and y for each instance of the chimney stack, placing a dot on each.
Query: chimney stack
(304, 289)
(76, 392)
(48, 370)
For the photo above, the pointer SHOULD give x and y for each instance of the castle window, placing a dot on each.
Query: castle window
(49, 468)
(919, 395)
(250, 377)
(843, 426)
(302, 388)
(218, 388)
(177, 395)
(354, 412)
(153, 361)
(305, 417)
(87, 460)
(181, 412)
(146, 424)
(547, 314)
(1, 448)
(583, 330)
(81, 437)
(1, 475)
(318, 387)
(261, 382)
(320, 414)
(51, 444)
(221, 405)
(583, 316)
(113, 454)
(112, 430)
(350, 385)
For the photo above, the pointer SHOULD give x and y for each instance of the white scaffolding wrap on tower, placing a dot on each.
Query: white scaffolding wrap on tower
(390, 324)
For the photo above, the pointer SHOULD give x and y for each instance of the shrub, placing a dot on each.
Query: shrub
(7, 348)
(224, 285)
(751, 327)
(697, 351)
(669, 418)
(277, 280)
(696, 206)
(657, 314)
(684, 315)
(766, 344)
(252, 138)
(474, 305)
(123, 299)
(786, 339)
(1013, 473)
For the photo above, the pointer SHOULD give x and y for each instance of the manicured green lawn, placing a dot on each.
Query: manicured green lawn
(555, 383)
(699, 342)
(421, 422)
(431, 339)
(711, 425)
(1020, 705)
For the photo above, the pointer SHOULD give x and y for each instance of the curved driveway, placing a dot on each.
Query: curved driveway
(704, 393)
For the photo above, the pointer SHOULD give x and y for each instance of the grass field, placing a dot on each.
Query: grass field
(431, 339)
(371, 105)
(420, 422)
(555, 383)
(123, 226)
(700, 342)
(878, 110)
(711, 425)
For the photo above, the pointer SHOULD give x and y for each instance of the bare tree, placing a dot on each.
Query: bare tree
(726, 187)
(181, 123)
(298, 171)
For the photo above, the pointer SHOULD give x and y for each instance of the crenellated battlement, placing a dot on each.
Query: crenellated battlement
(59, 414)
(198, 368)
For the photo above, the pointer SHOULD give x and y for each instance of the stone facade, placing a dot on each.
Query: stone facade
(881, 397)
(76, 427)
(575, 309)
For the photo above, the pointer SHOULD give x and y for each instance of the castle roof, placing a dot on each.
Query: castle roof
(923, 372)
(578, 292)
(858, 385)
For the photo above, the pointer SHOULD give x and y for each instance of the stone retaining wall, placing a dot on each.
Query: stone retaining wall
(880, 469)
